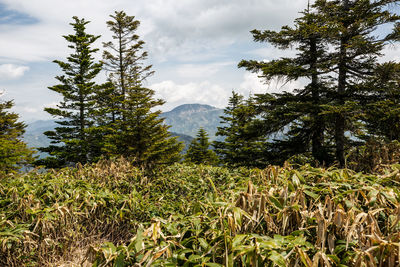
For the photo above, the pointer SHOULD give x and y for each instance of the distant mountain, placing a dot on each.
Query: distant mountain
(189, 118)
(37, 139)
(34, 136)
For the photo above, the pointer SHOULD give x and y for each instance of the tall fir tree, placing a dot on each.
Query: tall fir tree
(138, 132)
(123, 60)
(338, 51)
(76, 139)
(301, 110)
(14, 153)
(240, 147)
(199, 151)
(357, 47)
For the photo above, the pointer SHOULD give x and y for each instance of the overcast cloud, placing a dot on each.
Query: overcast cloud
(11, 71)
(194, 46)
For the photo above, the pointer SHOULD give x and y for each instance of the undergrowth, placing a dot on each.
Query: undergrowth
(180, 215)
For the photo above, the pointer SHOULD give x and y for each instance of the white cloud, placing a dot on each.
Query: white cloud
(11, 71)
(391, 53)
(171, 28)
(215, 94)
(30, 110)
(203, 93)
(194, 45)
(202, 70)
(252, 84)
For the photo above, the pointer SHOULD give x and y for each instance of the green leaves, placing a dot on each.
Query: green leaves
(175, 218)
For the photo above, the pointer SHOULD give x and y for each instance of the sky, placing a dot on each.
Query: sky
(193, 45)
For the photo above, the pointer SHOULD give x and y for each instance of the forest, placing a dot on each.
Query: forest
(308, 177)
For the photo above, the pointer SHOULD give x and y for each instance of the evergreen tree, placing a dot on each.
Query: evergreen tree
(76, 139)
(301, 110)
(14, 153)
(338, 52)
(199, 151)
(381, 112)
(240, 146)
(138, 132)
(357, 47)
(123, 60)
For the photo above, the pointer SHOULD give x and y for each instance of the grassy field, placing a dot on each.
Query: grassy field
(114, 214)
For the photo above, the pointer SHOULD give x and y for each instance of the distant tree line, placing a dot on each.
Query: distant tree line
(350, 96)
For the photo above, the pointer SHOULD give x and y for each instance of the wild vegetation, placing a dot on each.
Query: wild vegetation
(100, 209)
(115, 214)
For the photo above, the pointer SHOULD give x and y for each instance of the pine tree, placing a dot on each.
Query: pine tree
(76, 139)
(199, 151)
(240, 146)
(301, 110)
(138, 132)
(14, 153)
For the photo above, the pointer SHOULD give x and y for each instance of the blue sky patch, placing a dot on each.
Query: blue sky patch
(8, 16)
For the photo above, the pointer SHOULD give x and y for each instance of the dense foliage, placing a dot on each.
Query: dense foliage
(239, 146)
(114, 119)
(114, 213)
(338, 49)
(299, 110)
(14, 153)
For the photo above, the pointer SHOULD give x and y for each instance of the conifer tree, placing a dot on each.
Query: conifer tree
(138, 132)
(381, 110)
(76, 138)
(240, 147)
(14, 153)
(123, 60)
(338, 52)
(357, 48)
(299, 110)
(199, 151)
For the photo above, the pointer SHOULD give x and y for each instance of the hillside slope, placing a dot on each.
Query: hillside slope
(189, 118)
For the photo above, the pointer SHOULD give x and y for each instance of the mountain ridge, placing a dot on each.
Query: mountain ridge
(189, 118)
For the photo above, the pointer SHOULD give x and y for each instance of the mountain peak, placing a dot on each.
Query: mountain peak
(189, 118)
(193, 107)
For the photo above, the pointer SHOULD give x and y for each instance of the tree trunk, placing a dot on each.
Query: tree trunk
(318, 122)
(121, 70)
(341, 91)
